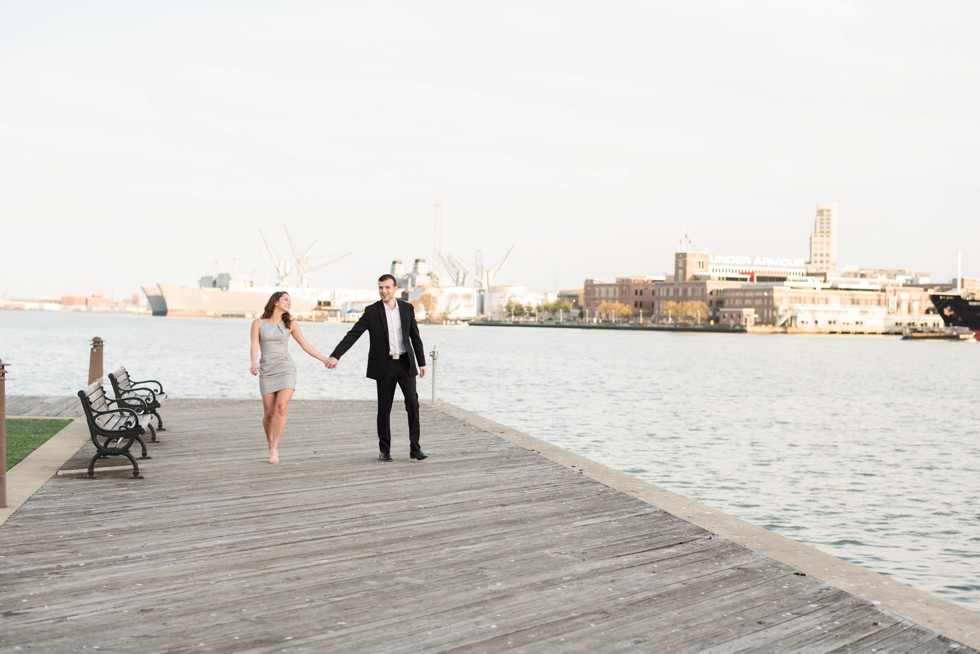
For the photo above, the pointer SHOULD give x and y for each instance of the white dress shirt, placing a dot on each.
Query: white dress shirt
(396, 340)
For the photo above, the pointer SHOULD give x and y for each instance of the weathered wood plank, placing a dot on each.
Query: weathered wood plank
(486, 546)
(43, 406)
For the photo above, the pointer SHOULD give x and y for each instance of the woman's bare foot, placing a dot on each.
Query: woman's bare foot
(273, 456)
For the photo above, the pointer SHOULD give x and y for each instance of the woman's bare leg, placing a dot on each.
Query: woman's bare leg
(282, 400)
(268, 413)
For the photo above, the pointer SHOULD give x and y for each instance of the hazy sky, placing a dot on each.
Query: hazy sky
(140, 141)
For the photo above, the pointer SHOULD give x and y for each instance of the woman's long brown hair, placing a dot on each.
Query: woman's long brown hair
(270, 306)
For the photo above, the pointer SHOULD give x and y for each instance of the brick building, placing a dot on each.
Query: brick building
(638, 293)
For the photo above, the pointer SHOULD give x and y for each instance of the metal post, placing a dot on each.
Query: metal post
(95, 360)
(3, 434)
(434, 355)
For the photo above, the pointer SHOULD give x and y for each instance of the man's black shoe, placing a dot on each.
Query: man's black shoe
(384, 456)
(418, 455)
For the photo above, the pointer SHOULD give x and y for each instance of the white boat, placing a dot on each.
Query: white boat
(224, 302)
(235, 295)
(219, 301)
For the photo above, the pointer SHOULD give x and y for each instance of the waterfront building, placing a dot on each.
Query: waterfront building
(98, 302)
(641, 295)
(822, 307)
(497, 298)
(890, 274)
(70, 302)
(823, 241)
(445, 302)
(756, 269)
(697, 281)
(909, 308)
(693, 281)
(638, 293)
(574, 297)
(40, 304)
(701, 289)
(341, 303)
(780, 293)
(597, 291)
(418, 276)
(813, 307)
(691, 265)
(74, 303)
(773, 293)
(970, 286)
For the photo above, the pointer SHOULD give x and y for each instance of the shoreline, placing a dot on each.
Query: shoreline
(723, 329)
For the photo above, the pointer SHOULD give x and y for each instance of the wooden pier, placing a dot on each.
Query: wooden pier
(39, 406)
(497, 543)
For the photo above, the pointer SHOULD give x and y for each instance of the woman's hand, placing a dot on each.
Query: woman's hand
(255, 369)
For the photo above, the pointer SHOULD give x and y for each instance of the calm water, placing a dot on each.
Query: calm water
(864, 447)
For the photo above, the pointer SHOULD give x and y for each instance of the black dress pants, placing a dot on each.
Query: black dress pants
(397, 374)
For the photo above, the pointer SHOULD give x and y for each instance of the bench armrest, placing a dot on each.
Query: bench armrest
(157, 389)
(144, 394)
(134, 402)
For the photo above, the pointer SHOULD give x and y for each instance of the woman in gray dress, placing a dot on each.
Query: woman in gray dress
(276, 370)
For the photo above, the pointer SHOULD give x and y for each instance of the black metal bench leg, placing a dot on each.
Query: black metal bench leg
(91, 464)
(136, 467)
(143, 445)
(160, 426)
(131, 439)
(153, 433)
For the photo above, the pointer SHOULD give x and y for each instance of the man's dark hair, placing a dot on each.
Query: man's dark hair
(388, 276)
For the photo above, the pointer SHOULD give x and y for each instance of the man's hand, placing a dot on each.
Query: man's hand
(421, 371)
(332, 362)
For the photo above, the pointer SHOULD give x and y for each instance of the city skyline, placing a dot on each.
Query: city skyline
(140, 142)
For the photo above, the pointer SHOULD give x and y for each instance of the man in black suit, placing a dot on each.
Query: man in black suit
(394, 358)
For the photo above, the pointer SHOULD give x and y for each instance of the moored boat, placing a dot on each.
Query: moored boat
(958, 311)
(309, 303)
(158, 305)
(234, 295)
(950, 334)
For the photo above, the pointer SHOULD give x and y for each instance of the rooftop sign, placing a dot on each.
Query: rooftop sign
(742, 260)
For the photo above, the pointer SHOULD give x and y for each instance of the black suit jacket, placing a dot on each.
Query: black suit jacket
(374, 321)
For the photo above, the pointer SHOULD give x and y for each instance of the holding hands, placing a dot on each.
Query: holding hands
(331, 362)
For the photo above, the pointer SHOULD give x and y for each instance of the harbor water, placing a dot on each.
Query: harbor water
(867, 448)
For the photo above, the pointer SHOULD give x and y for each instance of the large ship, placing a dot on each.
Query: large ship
(958, 311)
(158, 306)
(235, 295)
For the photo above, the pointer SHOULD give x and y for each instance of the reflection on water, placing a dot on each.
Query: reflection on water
(865, 447)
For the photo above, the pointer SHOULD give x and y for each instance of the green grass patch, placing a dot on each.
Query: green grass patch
(24, 435)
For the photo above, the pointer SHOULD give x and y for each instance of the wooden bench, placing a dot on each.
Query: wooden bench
(148, 390)
(114, 430)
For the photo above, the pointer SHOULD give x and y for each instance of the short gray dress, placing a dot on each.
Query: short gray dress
(276, 368)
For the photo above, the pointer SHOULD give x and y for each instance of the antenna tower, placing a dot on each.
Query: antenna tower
(436, 233)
